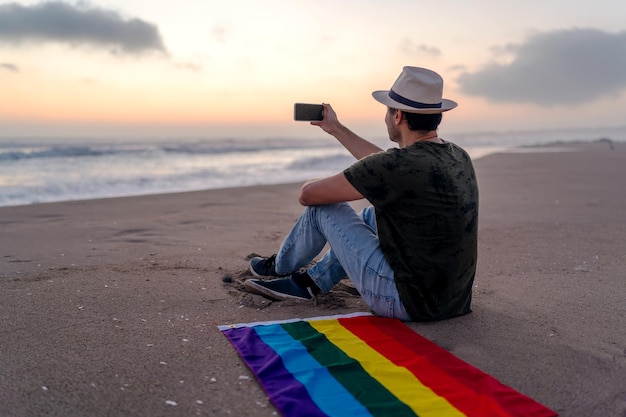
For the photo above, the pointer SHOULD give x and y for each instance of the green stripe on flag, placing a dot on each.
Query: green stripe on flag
(348, 372)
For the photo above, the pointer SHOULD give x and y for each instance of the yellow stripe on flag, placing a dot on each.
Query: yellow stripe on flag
(398, 380)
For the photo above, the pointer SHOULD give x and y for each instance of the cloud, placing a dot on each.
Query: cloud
(551, 68)
(219, 33)
(9, 67)
(80, 24)
(189, 66)
(457, 68)
(410, 48)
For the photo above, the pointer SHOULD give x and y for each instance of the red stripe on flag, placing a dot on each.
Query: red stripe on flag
(468, 389)
(463, 398)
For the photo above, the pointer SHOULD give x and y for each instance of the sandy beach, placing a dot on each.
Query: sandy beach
(109, 307)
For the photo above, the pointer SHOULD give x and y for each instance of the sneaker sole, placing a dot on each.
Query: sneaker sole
(255, 288)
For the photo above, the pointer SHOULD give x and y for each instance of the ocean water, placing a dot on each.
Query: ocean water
(48, 170)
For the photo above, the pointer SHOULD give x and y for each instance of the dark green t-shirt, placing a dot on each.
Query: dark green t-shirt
(426, 202)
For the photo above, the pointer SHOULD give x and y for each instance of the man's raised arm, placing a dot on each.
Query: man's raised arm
(355, 144)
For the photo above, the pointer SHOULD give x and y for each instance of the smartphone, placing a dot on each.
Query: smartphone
(308, 112)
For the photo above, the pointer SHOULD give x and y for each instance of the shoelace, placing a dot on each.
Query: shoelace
(270, 265)
(310, 292)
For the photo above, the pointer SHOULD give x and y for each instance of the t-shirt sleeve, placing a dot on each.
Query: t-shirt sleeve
(372, 175)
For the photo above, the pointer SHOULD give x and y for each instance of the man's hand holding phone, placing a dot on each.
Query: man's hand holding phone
(321, 115)
(329, 123)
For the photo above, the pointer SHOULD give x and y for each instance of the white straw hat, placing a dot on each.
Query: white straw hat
(417, 90)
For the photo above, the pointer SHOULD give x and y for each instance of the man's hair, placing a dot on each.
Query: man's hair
(422, 122)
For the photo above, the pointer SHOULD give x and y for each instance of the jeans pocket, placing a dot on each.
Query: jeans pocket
(389, 306)
(381, 305)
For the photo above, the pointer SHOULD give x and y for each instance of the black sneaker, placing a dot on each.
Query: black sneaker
(280, 289)
(264, 267)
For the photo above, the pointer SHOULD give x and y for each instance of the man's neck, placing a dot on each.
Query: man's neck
(411, 137)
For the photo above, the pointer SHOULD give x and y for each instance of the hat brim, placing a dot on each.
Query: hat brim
(382, 96)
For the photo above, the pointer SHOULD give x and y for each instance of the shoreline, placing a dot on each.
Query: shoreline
(554, 146)
(111, 306)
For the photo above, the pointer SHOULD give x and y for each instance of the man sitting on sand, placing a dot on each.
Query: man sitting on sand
(412, 254)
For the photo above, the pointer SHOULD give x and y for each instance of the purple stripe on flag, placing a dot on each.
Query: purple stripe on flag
(283, 390)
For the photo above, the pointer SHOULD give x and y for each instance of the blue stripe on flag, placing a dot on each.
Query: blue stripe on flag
(329, 395)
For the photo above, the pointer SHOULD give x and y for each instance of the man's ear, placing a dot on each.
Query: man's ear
(398, 117)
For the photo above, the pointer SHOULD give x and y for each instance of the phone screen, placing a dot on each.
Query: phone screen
(308, 112)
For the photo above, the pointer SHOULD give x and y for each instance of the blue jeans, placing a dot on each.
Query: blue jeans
(354, 252)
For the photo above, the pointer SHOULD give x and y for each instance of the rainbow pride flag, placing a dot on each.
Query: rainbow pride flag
(362, 365)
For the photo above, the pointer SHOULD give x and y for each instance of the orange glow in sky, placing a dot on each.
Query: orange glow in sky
(244, 63)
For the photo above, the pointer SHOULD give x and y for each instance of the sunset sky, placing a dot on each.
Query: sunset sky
(235, 68)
